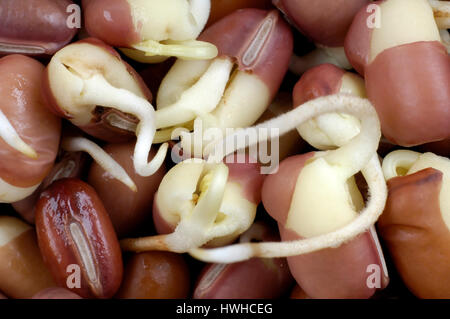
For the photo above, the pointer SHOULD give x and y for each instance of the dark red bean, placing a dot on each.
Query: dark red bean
(74, 230)
(127, 209)
(22, 104)
(56, 293)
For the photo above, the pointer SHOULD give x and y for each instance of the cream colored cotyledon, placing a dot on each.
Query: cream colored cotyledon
(415, 225)
(234, 89)
(29, 134)
(336, 55)
(191, 89)
(212, 91)
(169, 28)
(103, 159)
(85, 75)
(340, 191)
(408, 33)
(22, 270)
(323, 198)
(396, 28)
(202, 206)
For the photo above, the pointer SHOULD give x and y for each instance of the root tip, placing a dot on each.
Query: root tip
(29, 152)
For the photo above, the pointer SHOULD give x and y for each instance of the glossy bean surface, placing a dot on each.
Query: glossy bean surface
(76, 237)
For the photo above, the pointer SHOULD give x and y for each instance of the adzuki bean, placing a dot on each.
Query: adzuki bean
(74, 230)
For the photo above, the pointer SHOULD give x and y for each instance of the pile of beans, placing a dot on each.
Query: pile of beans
(224, 149)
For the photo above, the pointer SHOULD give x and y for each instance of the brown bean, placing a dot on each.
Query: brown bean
(127, 209)
(155, 275)
(74, 230)
(390, 58)
(88, 57)
(119, 22)
(22, 270)
(34, 27)
(22, 104)
(414, 229)
(323, 80)
(392, 80)
(56, 293)
(239, 205)
(321, 273)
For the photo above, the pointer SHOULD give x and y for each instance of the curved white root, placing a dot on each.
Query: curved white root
(202, 98)
(441, 10)
(398, 160)
(81, 144)
(364, 144)
(98, 91)
(12, 138)
(375, 206)
(336, 56)
(185, 50)
(192, 230)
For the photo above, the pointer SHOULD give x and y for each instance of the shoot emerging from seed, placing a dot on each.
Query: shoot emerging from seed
(196, 226)
(365, 145)
(81, 144)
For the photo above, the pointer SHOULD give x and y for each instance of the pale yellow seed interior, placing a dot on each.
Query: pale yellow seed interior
(322, 201)
(403, 22)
